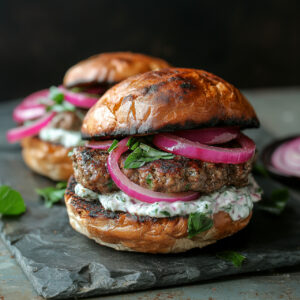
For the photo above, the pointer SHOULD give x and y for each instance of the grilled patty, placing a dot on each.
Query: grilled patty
(180, 174)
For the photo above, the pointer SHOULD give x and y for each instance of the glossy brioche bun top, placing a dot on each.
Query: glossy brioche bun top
(111, 68)
(168, 100)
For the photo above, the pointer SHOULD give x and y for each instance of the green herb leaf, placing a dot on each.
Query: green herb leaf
(110, 184)
(113, 146)
(56, 95)
(232, 256)
(142, 154)
(131, 141)
(65, 106)
(70, 153)
(149, 180)
(260, 170)
(59, 104)
(52, 194)
(165, 213)
(11, 201)
(198, 222)
(276, 203)
(187, 187)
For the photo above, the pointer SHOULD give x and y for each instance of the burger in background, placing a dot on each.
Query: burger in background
(50, 120)
(166, 167)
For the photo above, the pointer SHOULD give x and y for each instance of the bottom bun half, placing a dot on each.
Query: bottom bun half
(126, 232)
(48, 159)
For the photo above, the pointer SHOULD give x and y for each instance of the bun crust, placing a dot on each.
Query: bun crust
(168, 100)
(123, 231)
(110, 68)
(47, 159)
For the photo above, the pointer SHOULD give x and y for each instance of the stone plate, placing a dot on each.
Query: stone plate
(60, 263)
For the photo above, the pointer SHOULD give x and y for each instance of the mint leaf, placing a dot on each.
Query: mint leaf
(132, 141)
(142, 154)
(11, 201)
(113, 145)
(198, 222)
(52, 194)
(276, 203)
(232, 256)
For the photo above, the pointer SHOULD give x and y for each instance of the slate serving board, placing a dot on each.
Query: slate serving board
(60, 263)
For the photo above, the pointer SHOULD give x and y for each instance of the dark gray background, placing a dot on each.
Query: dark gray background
(250, 43)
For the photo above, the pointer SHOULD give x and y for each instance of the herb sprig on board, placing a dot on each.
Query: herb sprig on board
(52, 194)
(236, 258)
(11, 202)
(276, 203)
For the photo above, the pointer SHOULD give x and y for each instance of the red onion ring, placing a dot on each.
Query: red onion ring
(286, 158)
(135, 191)
(31, 108)
(78, 99)
(181, 146)
(102, 145)
(21, 132)
(95, 90)
(210, 136)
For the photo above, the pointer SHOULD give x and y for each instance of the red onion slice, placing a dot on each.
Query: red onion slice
(78, 99)
(135, 191)
(31, 107)
(102, 145)
(16, 134)
(210, 136)
(286, 158)
(181, 146)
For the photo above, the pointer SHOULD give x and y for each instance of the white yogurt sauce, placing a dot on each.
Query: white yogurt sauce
(237, 202)
(60, 136)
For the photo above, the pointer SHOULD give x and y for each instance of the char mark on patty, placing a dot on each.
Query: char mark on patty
(179, 174)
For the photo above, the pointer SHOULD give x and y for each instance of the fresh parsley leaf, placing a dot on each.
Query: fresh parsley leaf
(113, 145)
(276, 203)
(260, 170)
(142, 154)
(52, 194)
(56, 95)
(232, 256)
(198, 222)
(11, 202)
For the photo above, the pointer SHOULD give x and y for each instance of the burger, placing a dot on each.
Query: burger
(52, 118)
(165, 167)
